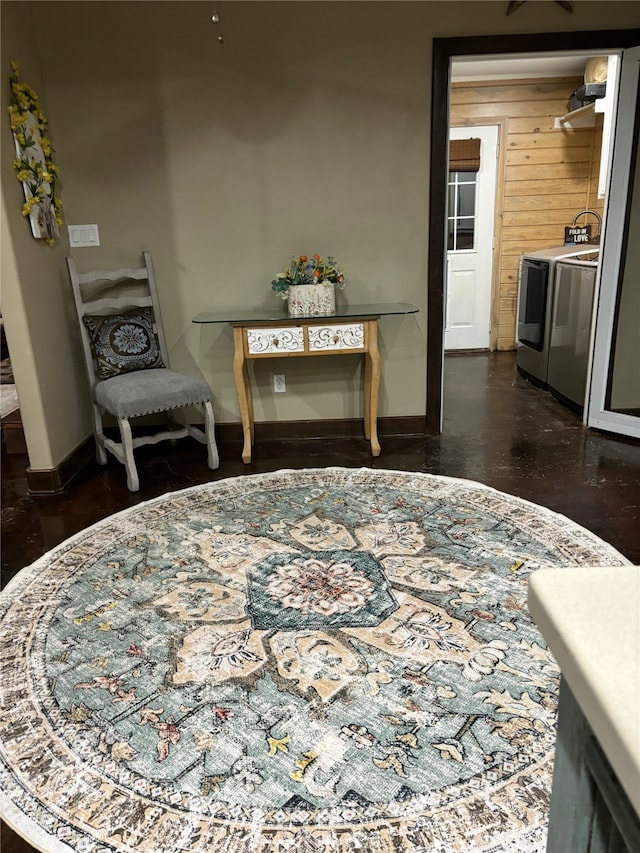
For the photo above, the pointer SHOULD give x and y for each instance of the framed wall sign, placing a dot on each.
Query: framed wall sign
(576, 234)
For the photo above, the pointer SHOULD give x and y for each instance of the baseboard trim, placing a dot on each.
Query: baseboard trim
(53, 481)
(231, 433)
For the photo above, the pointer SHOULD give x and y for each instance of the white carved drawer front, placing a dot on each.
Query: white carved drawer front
(344, 336)
(275, 340)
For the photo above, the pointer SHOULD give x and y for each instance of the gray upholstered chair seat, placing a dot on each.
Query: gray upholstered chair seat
(143, 392)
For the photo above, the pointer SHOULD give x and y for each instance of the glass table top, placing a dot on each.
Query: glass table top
(279, 314)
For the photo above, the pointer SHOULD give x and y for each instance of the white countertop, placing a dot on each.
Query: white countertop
(590, 619)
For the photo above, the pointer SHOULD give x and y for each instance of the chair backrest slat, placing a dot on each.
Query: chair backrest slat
(137, 274)
(98, 306)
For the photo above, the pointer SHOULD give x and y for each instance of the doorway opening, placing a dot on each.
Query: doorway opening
(11, 422)
(447, 51)
(556, 113)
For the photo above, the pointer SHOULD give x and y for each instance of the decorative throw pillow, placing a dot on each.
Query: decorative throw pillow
(124, 342)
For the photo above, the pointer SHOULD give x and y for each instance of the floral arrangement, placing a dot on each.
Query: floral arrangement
(305, 270)
(34, 165)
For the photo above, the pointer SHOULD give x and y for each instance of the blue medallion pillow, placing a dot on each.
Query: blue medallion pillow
(122, 343)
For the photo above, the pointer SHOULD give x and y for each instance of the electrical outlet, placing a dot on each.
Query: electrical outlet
(279, 385)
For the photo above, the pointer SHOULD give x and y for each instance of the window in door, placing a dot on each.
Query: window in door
(461, 218)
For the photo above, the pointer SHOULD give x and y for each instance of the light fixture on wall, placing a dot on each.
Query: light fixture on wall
(215, 18)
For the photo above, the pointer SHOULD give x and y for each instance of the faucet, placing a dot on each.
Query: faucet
(597, 216)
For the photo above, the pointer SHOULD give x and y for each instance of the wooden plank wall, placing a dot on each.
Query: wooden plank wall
(547, 175)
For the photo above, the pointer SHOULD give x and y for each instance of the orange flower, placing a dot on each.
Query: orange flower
(317, 257)
(304, 259)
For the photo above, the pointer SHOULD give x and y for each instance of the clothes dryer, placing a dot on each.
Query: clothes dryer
(536, 281)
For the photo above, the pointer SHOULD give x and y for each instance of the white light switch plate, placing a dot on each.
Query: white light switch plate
(83, 236)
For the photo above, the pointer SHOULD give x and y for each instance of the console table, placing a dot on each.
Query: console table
(273, 334)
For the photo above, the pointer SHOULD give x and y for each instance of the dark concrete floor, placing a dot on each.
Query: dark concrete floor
(498, 429)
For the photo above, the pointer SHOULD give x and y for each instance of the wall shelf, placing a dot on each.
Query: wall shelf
(582, 117)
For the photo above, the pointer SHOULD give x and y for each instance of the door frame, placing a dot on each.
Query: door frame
(444, 49)
(617, 234)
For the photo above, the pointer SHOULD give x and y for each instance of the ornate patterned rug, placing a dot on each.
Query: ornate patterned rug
(315, 661)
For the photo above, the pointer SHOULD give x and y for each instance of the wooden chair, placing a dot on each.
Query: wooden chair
(127, 363)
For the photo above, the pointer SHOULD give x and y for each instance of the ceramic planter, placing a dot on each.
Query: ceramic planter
(312, 300)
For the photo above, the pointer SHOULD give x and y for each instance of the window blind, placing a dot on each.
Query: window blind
(464, 155)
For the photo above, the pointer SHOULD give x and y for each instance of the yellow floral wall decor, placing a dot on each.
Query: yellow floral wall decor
(34, 165)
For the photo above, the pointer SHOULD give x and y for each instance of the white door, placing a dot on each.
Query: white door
(614, 395)
(470, 219)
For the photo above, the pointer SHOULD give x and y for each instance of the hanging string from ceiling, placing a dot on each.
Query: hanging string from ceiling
(215, 18)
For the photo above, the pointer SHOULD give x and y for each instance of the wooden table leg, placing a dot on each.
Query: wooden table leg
(366, 403)
(243, 390)
(247, 385)
(374, 368)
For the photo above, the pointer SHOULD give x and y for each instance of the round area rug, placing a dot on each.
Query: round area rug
(319, 661)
